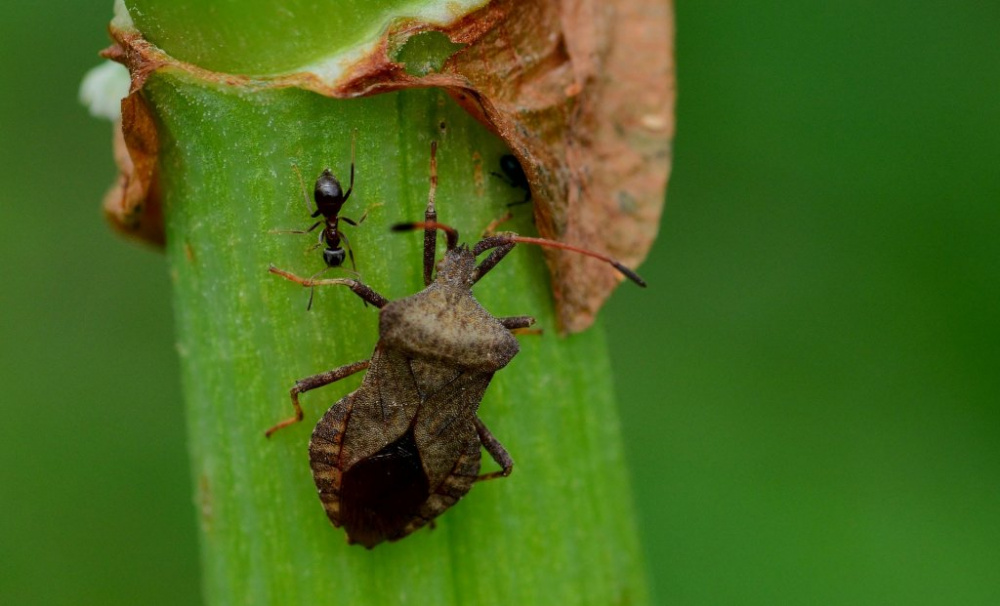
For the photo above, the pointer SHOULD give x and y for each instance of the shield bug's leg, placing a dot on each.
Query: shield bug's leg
(313, 279)
(518, 325)
(308, 383)
(517, 332)
(360, 289)
(515, 322)
(430, 225)
(499, 252)
(430, 216)
(496, 450)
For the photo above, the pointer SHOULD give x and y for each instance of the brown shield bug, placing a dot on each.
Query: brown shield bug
(405, 446)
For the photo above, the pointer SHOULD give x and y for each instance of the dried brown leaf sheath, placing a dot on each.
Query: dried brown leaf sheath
(132, 204)
(582, 91)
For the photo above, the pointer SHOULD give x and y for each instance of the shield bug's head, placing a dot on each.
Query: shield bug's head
(456, 267)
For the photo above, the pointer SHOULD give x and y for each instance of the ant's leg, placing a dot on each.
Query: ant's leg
(430, 216)
(364, 215)
(503, 178)
(350, 251)
(296, 231)
(347, 195)
(308, 383)
(312, 290)
(305, 196)
(515, 322)
(362, 290)
(319, 240)
(527, 199)
(496, 450)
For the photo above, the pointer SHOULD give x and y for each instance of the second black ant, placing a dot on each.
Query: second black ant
(513, 175)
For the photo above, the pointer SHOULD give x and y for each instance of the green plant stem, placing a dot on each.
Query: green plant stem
(559, 530)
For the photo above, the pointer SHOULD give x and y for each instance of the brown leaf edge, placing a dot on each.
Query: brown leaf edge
(132, 204)
(582, 91)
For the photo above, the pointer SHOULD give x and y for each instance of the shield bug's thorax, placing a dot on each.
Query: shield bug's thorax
(444, 323)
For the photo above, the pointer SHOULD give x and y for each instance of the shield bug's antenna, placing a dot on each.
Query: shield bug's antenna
(507, 240)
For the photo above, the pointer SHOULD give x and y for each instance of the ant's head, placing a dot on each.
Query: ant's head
(512, 168)
(328, 194)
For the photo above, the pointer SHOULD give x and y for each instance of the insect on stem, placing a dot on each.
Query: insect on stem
(386, 459)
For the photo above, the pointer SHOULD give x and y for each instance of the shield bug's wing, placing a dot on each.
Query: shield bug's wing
(444, 427)
(364, 456)
(384, 409)
(378, 496)
(448, 442)
(454, 486)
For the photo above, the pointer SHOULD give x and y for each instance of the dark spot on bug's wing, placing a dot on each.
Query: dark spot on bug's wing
(380, 495)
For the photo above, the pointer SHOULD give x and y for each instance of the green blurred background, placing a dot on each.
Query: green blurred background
(809, 389)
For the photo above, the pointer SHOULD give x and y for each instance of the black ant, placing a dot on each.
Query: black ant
(330, 197)
(513, 175)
